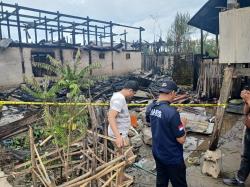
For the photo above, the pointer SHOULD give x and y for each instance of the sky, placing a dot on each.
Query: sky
(155, 16)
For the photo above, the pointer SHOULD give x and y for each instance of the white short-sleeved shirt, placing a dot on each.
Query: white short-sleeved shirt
(118, 103)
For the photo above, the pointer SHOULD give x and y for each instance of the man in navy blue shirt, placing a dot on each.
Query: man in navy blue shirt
(169, 135)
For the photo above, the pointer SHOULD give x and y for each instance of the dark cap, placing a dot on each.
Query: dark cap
(131, 85)
(168, 86)
(247, 87)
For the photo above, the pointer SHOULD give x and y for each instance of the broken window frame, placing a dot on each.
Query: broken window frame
(42, 58)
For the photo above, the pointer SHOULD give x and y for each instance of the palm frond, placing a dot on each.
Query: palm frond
(35, 86)
(47, 67)
(85, 71)
(37, 95)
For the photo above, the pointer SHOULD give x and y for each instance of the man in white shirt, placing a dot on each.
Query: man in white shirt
(119, 118)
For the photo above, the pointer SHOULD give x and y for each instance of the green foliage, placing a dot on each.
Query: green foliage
(178, 38)
(69, 77)
(209, 46)
(63, 122)
(41, 91)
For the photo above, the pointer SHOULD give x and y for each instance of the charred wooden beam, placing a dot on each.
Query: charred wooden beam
(19, 126)
(18, 24)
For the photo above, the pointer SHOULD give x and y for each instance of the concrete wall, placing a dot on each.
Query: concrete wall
(11, 67)
(235, 36)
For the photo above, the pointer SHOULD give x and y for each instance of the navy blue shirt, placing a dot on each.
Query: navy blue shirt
(166, 126)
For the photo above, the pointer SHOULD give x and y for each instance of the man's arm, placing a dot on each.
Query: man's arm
(246, 108)
(182, 139)
(245, 95)
(178, 128)
(112, 122)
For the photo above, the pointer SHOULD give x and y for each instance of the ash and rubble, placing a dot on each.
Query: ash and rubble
(139, 134)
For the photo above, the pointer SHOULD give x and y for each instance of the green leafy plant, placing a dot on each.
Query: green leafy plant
(63, 123)
(69, 76)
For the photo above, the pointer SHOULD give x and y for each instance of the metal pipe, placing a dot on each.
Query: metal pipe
(231, 4)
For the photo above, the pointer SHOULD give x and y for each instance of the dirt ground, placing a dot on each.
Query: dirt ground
(230, 145)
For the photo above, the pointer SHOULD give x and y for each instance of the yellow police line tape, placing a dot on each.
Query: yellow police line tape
(98, 104)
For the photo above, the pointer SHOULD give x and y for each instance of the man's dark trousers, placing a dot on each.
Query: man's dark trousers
(175, 173)
(245, 159)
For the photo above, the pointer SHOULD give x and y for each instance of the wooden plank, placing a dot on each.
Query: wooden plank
(224, 94)
(19, 125)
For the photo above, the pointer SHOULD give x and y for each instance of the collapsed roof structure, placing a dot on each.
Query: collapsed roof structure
(57, 28)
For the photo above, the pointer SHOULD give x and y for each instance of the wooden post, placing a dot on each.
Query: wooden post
(18, 24)
(73, 34)
(83, 37)
(96, 39)
(224, 94)
(32, 153)
(1, 37)
(94, 130)
(8, 24)
(51, 32)
(88, 34)
(140, 38)
(111, 44)
(202, 39)
(58, 26)
(125, 39)
(35, 32)
(46, 29)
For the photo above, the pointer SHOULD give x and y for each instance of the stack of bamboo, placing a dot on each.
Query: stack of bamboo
(88, 161)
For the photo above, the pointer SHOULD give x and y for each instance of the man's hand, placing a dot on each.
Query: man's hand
(184, 121)
(245, 95)
(119, 141)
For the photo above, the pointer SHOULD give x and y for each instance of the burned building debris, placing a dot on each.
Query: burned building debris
(28, 35)
(61, 139)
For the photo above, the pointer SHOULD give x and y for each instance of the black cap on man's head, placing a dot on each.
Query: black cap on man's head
(168, 86)
(131, 85)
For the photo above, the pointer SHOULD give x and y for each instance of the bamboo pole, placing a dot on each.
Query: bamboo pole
(45, 155)
(44, 183)
(94, 130)
(112, 162)
(33, 159)
(103, 172)
(110, 179)
(43, 168)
